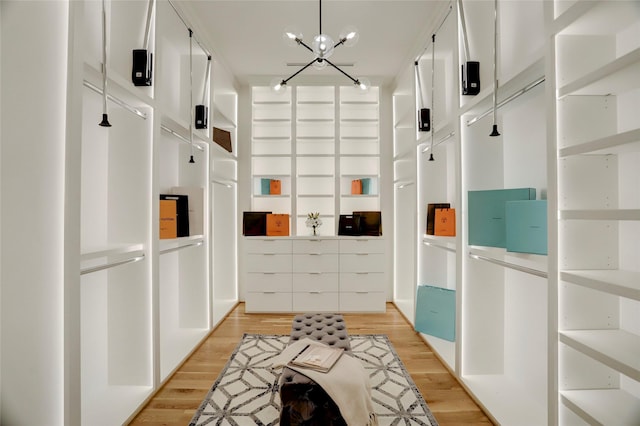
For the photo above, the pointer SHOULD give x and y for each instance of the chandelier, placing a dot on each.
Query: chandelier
(322, 48)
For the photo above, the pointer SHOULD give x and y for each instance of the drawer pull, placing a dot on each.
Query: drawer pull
(269, 254)
(362, 254)
(268, 273)
(362, 292)
(314, 292)
(268, 292)
(362, 273)
(362, 241)
(315, 273)
(314, 241)
(315, 254)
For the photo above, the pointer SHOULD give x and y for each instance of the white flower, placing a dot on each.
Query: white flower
(313, 220)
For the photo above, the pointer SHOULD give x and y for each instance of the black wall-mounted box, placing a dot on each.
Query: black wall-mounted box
(424, 120)
(471, 78)
(141, 69)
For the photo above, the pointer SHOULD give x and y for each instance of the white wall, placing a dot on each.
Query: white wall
(33, 111)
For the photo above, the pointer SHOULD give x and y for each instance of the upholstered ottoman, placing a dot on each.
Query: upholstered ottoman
(303, 401)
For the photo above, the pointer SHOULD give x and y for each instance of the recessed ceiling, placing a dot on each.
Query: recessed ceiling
(247, 34)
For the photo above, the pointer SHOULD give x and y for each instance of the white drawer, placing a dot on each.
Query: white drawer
(315, 302)
(268, 302)
(315, 245)
(315, 263)
(362, 245)
(362, 281)
(362, 302)
(327, 281)
(268, 262)
(267, 245)
(269, 281)
(362, 262)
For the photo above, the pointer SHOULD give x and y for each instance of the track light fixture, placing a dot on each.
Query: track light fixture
(322, 47)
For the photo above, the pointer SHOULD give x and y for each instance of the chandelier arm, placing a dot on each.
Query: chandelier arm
(300, 70)
(336, 67)
(342, 40)
(300, 42)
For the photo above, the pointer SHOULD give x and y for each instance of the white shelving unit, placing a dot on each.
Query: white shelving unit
(271, 148)
(359, 148)
(404, 178)
(599, 209)
(109, 310)
(294, 139)
(315, 156)
(438, 163)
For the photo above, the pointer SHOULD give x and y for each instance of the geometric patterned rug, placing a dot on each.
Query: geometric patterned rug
(246, 392)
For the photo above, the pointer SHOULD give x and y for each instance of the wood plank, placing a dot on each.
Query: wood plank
(177, 401)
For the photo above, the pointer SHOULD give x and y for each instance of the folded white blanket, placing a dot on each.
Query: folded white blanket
(347, 383)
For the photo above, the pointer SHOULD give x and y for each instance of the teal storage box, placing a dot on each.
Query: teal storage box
(527, 226)
(436, 312)
(265, 186)
(366, 186)
(487, 214)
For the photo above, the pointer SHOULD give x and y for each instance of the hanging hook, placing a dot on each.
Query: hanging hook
(494, 131)
(433, 73)
(105, 115)
(191, 160)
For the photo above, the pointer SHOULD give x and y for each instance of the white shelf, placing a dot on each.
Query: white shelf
(507, 401)
(111, 250)
(173, 244)
(536, 262)
(601, 214)
(617, 282)
(603, 406)
(618, 349)
(443, 243)
(615, 77)
(614, 144)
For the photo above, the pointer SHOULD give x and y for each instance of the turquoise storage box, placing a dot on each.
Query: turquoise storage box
(366, 185)
(487, 214)
(527, 226)
(436, 312)
(265, 186)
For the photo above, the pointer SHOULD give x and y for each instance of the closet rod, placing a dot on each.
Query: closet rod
(169, 250)
(206, 51)
(510, 265)
(404, 184)
(223, 183)
(179, 136)
(445, 138)
(111, 265)
(507, 100)
(116, 100)
(429, 243)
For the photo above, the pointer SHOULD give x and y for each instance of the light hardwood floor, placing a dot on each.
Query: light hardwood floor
(177, 401)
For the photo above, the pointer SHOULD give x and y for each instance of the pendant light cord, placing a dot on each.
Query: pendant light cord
(191, 160)
(494, 131)
(105, 115)
(433, 79)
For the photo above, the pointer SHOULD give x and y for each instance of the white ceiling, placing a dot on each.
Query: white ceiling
(247, 34)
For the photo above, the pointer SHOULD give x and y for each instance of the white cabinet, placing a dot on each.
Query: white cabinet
(268, 276)
(330, 274)
(598, 146)
(362, 275)
(315, 272)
